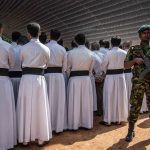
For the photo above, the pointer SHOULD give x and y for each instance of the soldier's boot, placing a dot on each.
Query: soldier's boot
(130, 136)
(131, 133)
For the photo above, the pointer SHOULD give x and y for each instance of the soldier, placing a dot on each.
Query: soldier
(135, 57)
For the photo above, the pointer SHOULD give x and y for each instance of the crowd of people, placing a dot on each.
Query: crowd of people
(46, 88)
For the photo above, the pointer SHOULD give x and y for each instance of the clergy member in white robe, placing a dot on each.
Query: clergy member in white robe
(33, 115)
(99, 74)
(56, 83)
(15, 72)
(79, 92)
(115, 103)
(94, 47)
(128, 74)
(8, 134)
(102, 49)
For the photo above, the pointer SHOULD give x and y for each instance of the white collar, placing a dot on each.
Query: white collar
(34, 40)
(53, 41)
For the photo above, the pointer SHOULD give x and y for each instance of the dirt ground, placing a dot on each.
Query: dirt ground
(99, 138)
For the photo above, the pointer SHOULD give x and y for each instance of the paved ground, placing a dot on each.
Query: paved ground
(100, 138)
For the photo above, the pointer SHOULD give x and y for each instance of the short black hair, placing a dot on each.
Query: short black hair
(87, 44)
(95, 46)
(60, 42)
(23, 40)
(80, 39)
(73, 44)
(33, 28)
(1, 25)
(43, 37)
(115, 41)
(15, 36)
(54, 34)
(102, 43)
(107, 45)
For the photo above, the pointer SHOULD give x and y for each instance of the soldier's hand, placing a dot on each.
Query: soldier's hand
(138, 61)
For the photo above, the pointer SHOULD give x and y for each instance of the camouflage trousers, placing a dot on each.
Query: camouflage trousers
(136, 99)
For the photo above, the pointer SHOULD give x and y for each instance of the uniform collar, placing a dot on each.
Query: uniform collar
(143, 44)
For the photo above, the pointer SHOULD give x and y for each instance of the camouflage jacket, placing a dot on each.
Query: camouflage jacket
(138, 51)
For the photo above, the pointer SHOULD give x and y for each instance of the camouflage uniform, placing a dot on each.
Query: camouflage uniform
(139, 87)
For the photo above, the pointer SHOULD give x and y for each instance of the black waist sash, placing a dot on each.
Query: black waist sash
(53, 70)
(15, 74)
(79, 73)
(127, 70)
(3, 72)
(32, 71)
(114, 71)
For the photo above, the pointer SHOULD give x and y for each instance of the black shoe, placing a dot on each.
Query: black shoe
(130, 136)
(105, 123)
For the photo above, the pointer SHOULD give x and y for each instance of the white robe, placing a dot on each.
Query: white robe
(115, 102)
(128, 77)
(57, 87)
(80, 93)
(33, 114)
(4, 44)
(144, 107)
(15, 51)
(8, 132)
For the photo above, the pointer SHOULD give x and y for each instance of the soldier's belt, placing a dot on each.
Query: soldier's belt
(114, 71)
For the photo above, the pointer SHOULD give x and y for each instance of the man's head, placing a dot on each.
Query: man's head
(55, 34)
(107, 45)
(23, 40)
(80, 39)
(60, 42)
(144, 33)
(115, 41)
(94, 46)
(126, 45)
(43, 37)
(73, 44)
(102, 43)
(15, 36)
(33, 30)
(1, 28)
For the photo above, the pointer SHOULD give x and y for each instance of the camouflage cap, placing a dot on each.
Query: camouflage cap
(143, 28)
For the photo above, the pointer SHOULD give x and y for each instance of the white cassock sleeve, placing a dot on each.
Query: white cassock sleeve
(11, 57)
(105, 63)
(68, 64)
(64, 69)
(47, 57)
(98, 65)
(93, 64)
